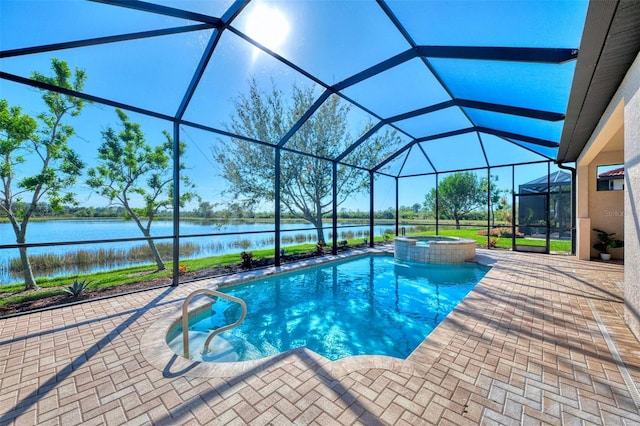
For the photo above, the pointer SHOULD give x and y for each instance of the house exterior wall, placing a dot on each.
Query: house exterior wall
(600, 209)
(615, 211)
(631, 93)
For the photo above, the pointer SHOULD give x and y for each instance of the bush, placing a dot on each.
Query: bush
(501, 232)
(247, 259)
(77, 288)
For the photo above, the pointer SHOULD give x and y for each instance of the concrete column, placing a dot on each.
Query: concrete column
(583, 223)
(631, 93)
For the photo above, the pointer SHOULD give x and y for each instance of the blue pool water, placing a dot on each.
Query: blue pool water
(425, 241)
(370, 305)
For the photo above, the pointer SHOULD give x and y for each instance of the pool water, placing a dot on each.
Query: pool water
(370, 305)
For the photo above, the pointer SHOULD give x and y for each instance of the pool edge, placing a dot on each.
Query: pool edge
(157, 352)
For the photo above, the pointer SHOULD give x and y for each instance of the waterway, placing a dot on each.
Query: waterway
(100, 229)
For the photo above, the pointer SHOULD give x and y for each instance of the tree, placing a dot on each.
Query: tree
(306, 181)
(458, 195)
(205, 209)
(128, 167)
(504, 210)
(495, 197)
(53, 167)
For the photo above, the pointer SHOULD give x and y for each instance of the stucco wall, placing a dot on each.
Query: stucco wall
(631, 92)
(621, 118)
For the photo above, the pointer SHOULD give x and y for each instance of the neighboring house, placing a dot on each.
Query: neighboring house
(611, 180)
(602, 136)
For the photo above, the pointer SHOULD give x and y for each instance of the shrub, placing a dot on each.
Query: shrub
(77, 288)
(501, 232)
(247, 259)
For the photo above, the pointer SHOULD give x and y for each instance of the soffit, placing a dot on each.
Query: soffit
(610, 44)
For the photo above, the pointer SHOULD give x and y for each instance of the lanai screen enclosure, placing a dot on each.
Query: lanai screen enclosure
(301, 108)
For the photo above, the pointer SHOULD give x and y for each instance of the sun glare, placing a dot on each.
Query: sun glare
(268, 26)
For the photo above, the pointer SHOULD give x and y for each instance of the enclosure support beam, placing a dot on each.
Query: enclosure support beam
(489, 210)
(334, 224)
(176, 204)
(397, 207)
(489, 189)
(513, 207)
(573, 206)
(437, 205)
(548, 212)
(371, 207)
(277, 206)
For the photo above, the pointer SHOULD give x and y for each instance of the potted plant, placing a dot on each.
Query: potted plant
(606, 241)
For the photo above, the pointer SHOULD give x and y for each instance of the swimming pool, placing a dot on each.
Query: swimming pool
(370, 305)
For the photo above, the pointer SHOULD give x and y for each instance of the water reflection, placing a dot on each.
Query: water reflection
(371, 305)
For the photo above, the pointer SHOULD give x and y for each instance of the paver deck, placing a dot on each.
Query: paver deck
(540, 340)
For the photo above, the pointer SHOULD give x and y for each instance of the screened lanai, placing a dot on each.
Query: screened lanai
(150, 150)
(300, 114)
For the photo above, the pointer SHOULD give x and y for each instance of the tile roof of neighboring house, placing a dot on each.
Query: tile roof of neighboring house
(613, 173)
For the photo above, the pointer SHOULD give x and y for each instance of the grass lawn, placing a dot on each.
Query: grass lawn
(472, 233)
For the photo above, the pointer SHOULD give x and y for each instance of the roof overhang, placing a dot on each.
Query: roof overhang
(610, 43)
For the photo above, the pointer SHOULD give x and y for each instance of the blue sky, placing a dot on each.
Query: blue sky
(331, 40)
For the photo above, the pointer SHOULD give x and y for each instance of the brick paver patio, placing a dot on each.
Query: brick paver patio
(540, 340)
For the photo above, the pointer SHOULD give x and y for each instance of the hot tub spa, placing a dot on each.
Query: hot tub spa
(434, 249)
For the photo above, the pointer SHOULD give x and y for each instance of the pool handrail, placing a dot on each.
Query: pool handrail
(185, 318)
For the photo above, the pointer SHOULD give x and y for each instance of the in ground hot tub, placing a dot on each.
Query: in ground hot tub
(434, 249)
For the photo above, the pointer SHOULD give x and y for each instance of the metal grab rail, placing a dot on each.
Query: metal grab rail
(185, 318)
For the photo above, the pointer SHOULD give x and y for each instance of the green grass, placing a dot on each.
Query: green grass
(19, 298)
(472, 233)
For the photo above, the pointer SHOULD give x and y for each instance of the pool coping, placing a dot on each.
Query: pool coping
(157, 352)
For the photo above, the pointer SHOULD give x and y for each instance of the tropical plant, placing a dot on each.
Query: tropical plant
(247, 259)
(605, 241)
(128, 168)
(77, 288)
(49, 165)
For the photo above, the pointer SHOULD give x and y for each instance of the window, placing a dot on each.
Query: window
(610, 178)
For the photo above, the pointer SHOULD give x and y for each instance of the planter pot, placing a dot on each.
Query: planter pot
(605, 256)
